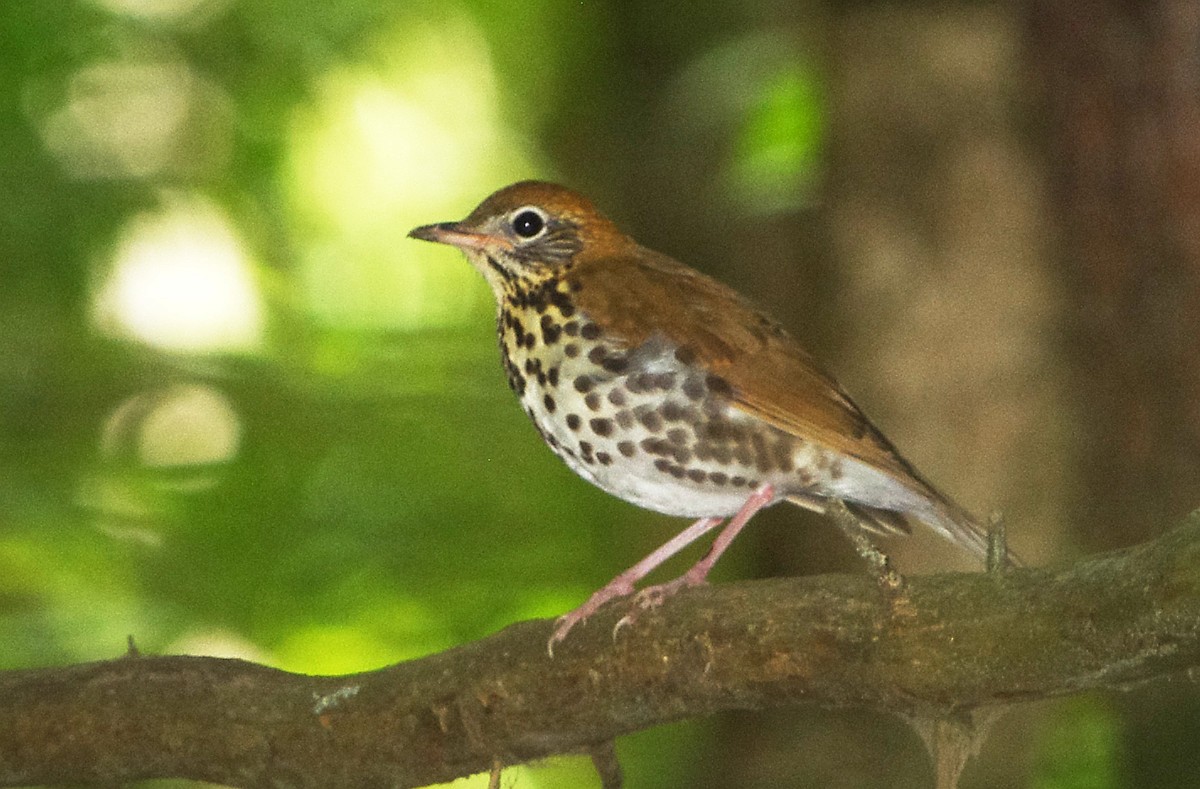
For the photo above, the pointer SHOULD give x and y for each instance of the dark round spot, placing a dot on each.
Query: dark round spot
(550, 330)
(646, 382)
(697, 474)
(737, 482)
(651, 421)
(662, 465)
(665, 381)
(718, 386)
(590, 331)
(571, 350)
(674, 412)
(571, 328)
(548, 401)
(616, 397)
(584, 384)
(626, 448)
(615, 364)
(693, 387)
(537, 299)
(718, 478)
(604, 458)
(677, 435)
(721, 430)
(552, 376)
(657, 446)
(560, 299)
(601, 427)
(573, 421)
(592, 401)
(528, 223)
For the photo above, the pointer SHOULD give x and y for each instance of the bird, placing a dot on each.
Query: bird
(670, 390)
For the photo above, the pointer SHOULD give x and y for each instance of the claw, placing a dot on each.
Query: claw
(624, 621)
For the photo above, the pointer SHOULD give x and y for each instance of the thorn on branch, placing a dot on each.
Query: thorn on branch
(952, 739)
(998, 558)
(604, 757)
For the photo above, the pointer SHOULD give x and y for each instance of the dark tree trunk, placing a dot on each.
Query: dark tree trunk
(1121, 88)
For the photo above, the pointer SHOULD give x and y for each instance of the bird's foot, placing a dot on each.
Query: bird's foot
(618, 587)
(653, 596)
(625, 583)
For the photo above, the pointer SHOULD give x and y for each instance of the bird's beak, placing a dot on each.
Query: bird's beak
(453, 234)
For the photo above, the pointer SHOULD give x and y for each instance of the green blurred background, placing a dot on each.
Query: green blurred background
(241, 414)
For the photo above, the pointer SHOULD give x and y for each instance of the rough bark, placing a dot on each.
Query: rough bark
(944, 646)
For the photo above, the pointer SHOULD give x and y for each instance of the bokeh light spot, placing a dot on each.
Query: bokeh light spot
(410, 135)
(181, 280)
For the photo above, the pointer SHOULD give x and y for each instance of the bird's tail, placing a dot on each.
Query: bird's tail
(957, 525)
(931, 508)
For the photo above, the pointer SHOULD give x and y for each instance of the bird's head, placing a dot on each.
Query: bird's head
(528, 232)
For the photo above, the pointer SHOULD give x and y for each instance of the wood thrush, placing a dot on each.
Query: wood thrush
(668, 389)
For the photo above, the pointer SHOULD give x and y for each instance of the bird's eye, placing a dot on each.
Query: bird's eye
(528, 223)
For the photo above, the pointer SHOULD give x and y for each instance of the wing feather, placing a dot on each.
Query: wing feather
(769, 374)
(772, 377)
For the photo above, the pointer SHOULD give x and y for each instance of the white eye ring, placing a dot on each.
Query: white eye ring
(528, 222)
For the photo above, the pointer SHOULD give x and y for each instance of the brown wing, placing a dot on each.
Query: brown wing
(771, 375)
(641, 294)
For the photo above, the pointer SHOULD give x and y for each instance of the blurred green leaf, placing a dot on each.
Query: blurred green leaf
(1080, 747)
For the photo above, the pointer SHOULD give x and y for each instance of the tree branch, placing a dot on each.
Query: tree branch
(944, 645)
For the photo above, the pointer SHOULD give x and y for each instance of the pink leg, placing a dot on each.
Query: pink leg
(652, 596)
(624, 583)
